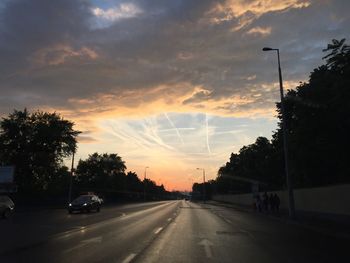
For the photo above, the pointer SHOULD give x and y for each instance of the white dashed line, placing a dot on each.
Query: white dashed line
(169, 219)
(129, 258)
(158, 230)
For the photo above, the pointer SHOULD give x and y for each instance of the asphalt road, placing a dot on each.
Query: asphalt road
(170, 231)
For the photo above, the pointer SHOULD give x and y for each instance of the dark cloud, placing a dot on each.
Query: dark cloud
(52, 55)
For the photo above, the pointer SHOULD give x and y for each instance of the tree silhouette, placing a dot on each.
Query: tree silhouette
(102, 171)
(36, 143)
(318, 123)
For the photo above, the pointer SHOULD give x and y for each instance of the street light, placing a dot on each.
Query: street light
(203, 182)
(144, 183)
(285, 141)
(71, 179)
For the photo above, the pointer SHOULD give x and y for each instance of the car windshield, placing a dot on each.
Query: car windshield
(82, 199)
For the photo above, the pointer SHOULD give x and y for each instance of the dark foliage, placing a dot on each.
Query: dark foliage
(36, 143)
(105, 174)
(318, 123)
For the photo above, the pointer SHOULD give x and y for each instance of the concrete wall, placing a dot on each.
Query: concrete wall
(330, 199)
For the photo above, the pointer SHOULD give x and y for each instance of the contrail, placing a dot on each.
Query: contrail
(128, 138)
(176, 130)
(207, 128)
(152, 135)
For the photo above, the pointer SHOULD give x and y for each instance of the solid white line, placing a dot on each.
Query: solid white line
(129, 258)
(208, 252)
(158, 230)
(74, 248)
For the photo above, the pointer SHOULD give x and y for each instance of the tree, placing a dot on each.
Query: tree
(318, 123)
(133, 182)
(102, 171)
(256, 161)
(36, 143)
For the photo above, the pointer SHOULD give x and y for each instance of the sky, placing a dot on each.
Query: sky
(174, 85)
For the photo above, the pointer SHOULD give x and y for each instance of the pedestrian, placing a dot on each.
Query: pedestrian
(272, 202)
(277, 203)
(258, 203)
(265, 202)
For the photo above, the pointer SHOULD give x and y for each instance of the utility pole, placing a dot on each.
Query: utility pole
(203, 183)
(71, 179)
(144, 184)
(291, 207)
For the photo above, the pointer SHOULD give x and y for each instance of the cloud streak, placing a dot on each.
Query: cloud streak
(113, 66)
(174, 127)
(207, 133)
(56, 55)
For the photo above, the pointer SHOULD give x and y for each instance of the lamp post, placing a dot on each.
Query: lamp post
(291, 207)
(144, 183)
(203, 182)
(71, 179)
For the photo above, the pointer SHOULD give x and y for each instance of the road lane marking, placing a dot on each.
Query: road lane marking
(74, 248)
(169, 219)
(207, 247)
(93, 240)
(228, 220)
(247, 233)
(129, 258)
(123, 216)
(158, 230)
(83, 243)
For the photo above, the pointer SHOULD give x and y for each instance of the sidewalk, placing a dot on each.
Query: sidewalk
(328, 224)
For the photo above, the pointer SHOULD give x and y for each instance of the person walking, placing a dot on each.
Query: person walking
(272, 202)
(265, 202)
(258, 203)
(277, 203)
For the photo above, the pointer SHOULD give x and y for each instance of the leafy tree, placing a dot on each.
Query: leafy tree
(318, 123)
(256, 161)
(36, 143)
(105, 173)
(133, 183)
(102, 171)
(338, 58)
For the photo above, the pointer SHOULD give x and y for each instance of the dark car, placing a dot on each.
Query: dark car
(85, 203)
(6, 206)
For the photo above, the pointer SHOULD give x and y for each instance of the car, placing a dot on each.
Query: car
(85, 203)
(6, 206)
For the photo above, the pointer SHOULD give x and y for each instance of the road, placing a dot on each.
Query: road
(168, 231)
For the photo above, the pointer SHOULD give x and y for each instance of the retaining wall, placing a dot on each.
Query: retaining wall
(330, 199)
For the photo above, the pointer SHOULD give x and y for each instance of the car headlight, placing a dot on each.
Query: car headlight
(85, 204)
(70, 204)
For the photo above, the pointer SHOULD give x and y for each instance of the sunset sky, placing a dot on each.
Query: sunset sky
(169, 84)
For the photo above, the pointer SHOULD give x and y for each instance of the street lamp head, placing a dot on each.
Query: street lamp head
(268, 49)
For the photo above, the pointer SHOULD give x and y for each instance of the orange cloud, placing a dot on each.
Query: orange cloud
(248, 11)
(60, 53)
(263, 31)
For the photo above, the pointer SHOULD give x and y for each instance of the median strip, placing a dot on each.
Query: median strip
(129, 258)
(158, 230)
